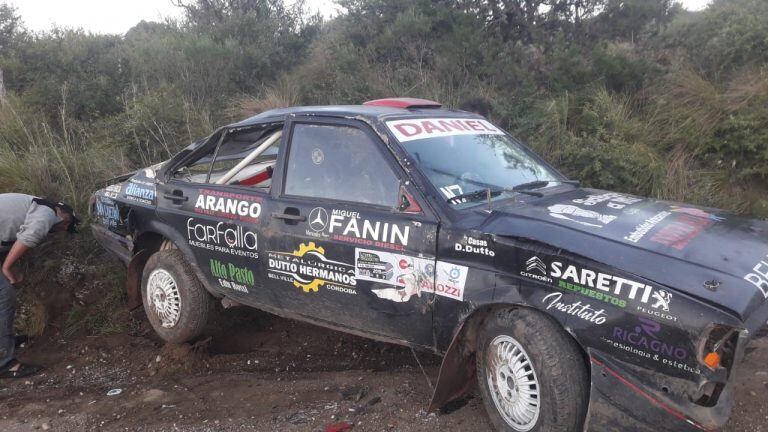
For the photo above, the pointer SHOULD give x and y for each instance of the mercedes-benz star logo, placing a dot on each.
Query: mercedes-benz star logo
(318, 219)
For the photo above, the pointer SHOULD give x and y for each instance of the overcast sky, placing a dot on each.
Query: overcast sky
(117, 16)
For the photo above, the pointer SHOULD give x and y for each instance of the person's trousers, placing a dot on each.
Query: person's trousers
(7, 315)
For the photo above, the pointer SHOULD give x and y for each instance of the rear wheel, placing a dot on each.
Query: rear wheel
(531, 374)
(175, 301)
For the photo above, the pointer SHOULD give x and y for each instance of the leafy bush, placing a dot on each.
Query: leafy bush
(633, 95)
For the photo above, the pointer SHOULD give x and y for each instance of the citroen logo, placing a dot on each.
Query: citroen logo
(536, 263)
(318, 219)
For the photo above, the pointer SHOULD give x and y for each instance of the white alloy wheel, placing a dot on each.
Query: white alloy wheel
(163, 294)
(513, 383)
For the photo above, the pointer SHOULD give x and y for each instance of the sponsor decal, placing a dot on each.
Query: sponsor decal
(142, 182)
(349, 227)
(697, 212)
(610, 289)
(659, 313)
(536, 269)
(647, 225)
(578, 214)
(683, 225)
(597, 295)
(613, 200)
(113, 191)
(410, 275)
(583, 311)
(689, 223)
(759, 276)
(474, 246)
(232, 276)
(643, 340)
(680, 232)
(450, 280)
(142, 193)
(318, 219)
(414, 129)
(660, 305)
(536, 264)
(106, 212)
(370, 266)
(309, 269)
(222, 237)
(228, 205)
(451, 191)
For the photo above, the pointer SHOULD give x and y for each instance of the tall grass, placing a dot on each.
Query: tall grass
(683, 139)
(59, 161)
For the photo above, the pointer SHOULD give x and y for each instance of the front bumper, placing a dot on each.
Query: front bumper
(620, 402)
(118, 245)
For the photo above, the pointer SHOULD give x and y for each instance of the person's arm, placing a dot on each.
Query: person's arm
(17, 251)
(37, 224)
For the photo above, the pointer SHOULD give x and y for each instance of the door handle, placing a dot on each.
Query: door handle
(289, 217)
(176, 195)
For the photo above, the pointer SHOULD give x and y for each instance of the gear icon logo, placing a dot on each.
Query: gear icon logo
(309, 247)
(303, 250)
(312, 286)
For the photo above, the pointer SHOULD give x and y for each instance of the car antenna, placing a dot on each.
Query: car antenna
(488, 194)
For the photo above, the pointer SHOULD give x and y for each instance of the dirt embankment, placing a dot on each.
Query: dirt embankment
(256, 372)
(259, 373)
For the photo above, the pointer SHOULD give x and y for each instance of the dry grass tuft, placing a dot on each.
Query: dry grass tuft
(281, 95)
(32, 316)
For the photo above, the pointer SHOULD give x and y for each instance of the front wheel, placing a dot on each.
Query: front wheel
(175, 301)
(531, 374)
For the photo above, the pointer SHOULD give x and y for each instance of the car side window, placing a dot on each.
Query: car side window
(220, 162)
(339, 163)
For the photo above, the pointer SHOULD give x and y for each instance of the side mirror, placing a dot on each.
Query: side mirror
(407, 203)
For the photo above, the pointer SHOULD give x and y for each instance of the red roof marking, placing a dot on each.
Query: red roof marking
(404, 103)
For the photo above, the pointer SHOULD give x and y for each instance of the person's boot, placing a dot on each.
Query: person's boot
(21, 339)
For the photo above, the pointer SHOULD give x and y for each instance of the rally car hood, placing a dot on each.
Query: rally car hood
(705, 253)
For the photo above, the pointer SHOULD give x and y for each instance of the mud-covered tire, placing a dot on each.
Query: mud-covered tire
(559, 371)
(176, 303)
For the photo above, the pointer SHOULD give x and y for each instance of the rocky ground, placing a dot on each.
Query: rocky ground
(260, 373)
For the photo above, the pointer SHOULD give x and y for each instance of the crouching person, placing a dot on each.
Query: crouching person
(25, 221)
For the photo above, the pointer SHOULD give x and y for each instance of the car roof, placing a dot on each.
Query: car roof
(370, 113)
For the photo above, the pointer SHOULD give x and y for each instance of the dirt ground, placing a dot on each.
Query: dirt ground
(259, 372)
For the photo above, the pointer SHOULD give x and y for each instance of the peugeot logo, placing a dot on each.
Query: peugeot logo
(318, 219)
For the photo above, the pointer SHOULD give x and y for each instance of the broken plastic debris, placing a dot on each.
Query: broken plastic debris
(339, 427)
(114, 392)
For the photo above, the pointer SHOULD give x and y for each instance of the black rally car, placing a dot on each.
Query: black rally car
(572, 308)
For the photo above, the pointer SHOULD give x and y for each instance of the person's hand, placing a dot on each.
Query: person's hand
(12, 276)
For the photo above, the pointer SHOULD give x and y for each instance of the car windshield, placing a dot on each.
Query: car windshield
(466, 158)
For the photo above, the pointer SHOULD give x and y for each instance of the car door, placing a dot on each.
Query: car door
(221, 224)
(348, 242)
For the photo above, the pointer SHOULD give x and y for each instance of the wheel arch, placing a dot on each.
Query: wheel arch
(457, 371)
(144, 245)
(150, 239)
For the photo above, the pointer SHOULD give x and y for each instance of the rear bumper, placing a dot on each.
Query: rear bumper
(118, 245)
